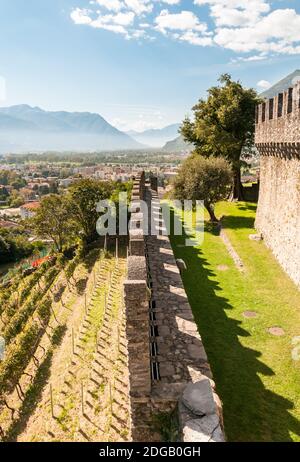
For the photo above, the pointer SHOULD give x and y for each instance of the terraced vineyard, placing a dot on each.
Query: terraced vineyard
(64, 376)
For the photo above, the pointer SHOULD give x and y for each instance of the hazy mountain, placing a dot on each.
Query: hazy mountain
(178, 145)
(25, 128)
(282, 85)
(156, 137)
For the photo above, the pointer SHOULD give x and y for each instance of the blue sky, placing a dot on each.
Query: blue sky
(141, 63)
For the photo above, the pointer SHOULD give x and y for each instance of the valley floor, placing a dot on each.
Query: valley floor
(257, 373)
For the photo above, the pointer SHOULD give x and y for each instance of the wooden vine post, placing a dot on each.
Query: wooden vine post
(110, 398)
(51, 402)
(73, 342)
(82, 399)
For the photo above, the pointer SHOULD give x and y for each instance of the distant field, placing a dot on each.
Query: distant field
(256, 376)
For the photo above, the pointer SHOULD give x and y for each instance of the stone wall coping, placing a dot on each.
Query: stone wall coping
(181, 357)
(136, 234)
(137, 268)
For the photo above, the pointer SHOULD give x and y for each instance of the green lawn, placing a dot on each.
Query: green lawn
(256, 377)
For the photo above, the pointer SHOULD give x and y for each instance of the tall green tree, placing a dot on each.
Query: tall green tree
(84, 196)
(54, 220)
(201, 178)
(224, 125)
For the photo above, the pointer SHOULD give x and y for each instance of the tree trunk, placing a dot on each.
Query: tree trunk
(211, 212)
(12, 410)
(238, 190)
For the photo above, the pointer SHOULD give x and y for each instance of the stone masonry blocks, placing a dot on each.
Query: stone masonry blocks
(278, 215)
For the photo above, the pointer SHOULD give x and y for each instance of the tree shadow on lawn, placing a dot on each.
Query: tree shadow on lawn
(246, 206)
(234, 222)
(91, 258)
(251, 412)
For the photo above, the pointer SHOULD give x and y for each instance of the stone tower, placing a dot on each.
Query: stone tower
(278, 142)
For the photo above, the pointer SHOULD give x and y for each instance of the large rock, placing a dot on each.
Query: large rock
(198, 398)
(205, 430)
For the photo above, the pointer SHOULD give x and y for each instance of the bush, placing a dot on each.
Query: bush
(207, 179)
(14, 246)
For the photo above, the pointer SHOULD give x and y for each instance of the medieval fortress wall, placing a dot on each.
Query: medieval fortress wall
(167, 362)
(278, 141)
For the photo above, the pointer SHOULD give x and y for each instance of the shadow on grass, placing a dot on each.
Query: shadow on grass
(59, 293)
(91, 258)
(246, 206)
(34, 393)
(234, 222)
(94, 253)
(251, 412)
(81, 285)
(213, 228)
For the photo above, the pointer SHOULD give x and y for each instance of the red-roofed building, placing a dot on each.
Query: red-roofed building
(29, 210)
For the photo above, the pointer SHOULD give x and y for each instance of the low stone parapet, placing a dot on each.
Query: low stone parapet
(163, 336)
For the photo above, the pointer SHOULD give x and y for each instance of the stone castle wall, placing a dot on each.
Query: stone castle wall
(278, 141)
(168, 367)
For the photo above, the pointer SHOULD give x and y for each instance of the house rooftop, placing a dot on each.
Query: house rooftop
(31, 206)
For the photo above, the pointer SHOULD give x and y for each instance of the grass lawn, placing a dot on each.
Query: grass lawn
(256, 376)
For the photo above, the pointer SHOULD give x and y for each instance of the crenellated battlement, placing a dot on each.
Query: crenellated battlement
(278, 122)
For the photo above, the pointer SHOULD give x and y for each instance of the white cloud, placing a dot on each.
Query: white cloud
(186, 20)
(184, 26)
(264, 84)
(124, 19)
(81, 16)
(115, 23)
(250, 27)
(111, 5)
(235, 12)
(277, 32)
(196, 39)
(139, 6)
(171, 2)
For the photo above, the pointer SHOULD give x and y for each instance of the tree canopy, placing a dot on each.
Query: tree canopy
(224, 124)
(53, 220)
(67, 217)
(84, 196)
(201, 178)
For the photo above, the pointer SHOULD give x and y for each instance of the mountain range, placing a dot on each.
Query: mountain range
(156, 137)
(178, 145)
(24, 128)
